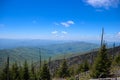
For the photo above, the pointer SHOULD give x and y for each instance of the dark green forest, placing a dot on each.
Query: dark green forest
(104, 65)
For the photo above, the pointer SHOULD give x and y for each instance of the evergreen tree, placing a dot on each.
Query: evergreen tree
(15, 72)
(33, 73)
(115, 67)
(20, 72)
(71, 71)
(79, 69)
(83, 67)
(63, 70)
(45, 74)
(6, 72)
(101, 66)
(26, 75)
(117, 60)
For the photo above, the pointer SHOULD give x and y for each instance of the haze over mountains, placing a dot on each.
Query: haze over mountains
(20, 50)
(13, 43)
(30, 49)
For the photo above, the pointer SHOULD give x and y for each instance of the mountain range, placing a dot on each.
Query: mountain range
(21, 50)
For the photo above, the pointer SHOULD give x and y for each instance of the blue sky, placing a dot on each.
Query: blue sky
(60, 19)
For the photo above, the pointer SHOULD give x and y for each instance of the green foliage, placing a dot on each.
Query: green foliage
(101, 66)
(28, 53)
(26, 75)
(5, 75)
(33, 75)
(63, 71)
(84, 76)
(115, 67)
(71, 71)
(83, 67)
(15, 72)
(71, 78)
(45, 74)
(116, 61)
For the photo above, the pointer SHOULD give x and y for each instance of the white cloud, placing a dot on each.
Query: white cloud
(68, 23)
(54, 32)
(59, 34)
(103, 3)
(118, 34)
(63, 32)
(56, 35)
(62, 36)
(112, 37)
(65, 24)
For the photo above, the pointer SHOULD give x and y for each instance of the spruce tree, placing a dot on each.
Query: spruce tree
(117, 60)
(115, 67)
(33, 73)
(45, 74)
(101, 66)
(15, 72)
(6, 72)
(26, 75)
(63, 70)
(83, 67)
(79, 69)
(20, 72)
(71, 71)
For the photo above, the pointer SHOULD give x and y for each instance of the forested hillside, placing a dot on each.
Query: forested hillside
(67, 68)
(32, 53)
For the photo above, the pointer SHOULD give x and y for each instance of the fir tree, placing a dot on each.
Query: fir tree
(15, 72)
(117, 60)
(101, 66)
(79, 69)
(33, 73)
(26, 75)
(6, 72)
(20, 72)
(115, 67)
(71, 71)
(45, 74)
(83, 67)
(63, 70)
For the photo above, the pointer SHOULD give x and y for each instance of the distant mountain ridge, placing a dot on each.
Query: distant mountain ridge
(13, 43)
(32, 53)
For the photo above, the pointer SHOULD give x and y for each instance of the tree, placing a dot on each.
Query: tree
(71, 71)
(20, 72)
(15, 72)
(33, 73)
(83, 67)
(115, 67)
(6, 72)
(45, 74)
(26, 75)
(117, 60)
(63, 70)
(101, 66)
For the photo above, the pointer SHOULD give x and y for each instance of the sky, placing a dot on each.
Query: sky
(80, 20)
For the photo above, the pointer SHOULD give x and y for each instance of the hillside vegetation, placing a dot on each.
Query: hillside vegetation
(83, 67)
(32, 53)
